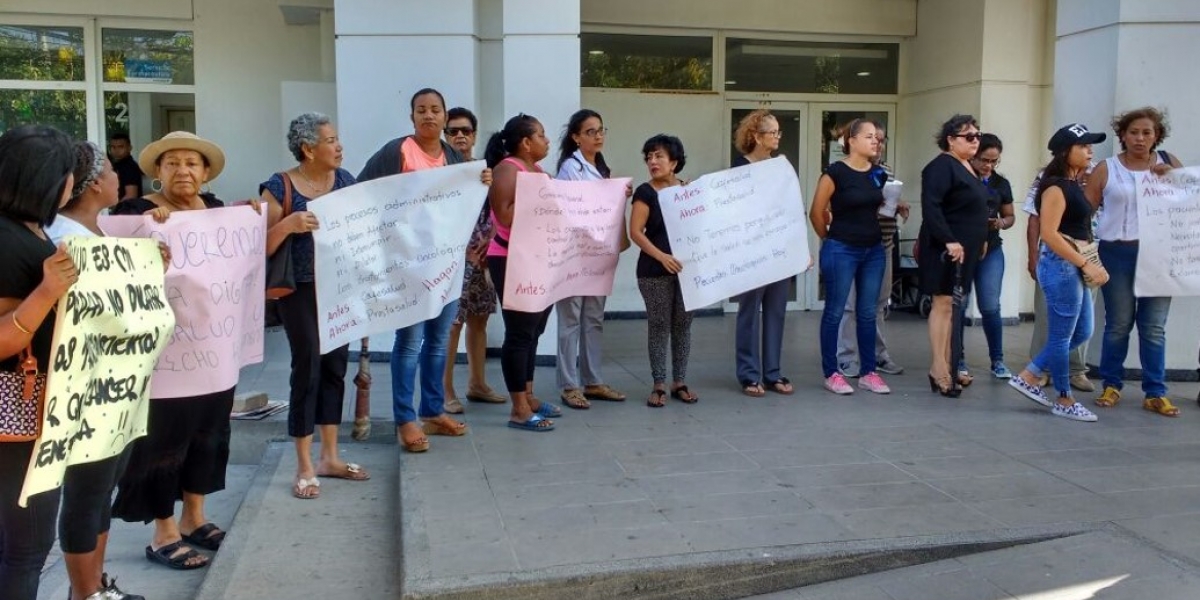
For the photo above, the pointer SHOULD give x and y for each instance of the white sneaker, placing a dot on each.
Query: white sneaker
(1075, 412)
(872, 382)
(837, 384)
(1033, 392)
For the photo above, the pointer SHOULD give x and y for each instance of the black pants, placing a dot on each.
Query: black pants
(87, 502)
(26, 534)
(318, 380)
(518, 354)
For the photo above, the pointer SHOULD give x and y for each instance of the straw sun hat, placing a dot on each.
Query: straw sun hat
(182, 140)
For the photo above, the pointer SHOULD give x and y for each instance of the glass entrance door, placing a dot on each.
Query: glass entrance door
(793, 130)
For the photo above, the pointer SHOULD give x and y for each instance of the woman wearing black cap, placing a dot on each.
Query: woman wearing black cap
(1066, 222)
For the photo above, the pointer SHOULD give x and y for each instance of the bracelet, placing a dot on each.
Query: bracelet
(18, 324)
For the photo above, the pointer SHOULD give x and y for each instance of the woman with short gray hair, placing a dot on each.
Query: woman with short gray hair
(318, 381)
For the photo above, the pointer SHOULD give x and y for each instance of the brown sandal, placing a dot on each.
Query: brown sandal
(573, 398)
(441, 428)
(753, 389)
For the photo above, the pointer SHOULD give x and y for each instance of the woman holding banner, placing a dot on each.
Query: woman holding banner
(757, 138)
(186, 448)
(516, 148)
(581, 318)
(36, 164)
(1112, 185)
(844, 215)
(667, 320)
(421, 345)
(86, 515)
(318, 381)
(954, 229)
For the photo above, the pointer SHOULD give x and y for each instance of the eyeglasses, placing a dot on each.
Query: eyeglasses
(595, 133)
(457, 131)
(989, 161)
(971, 138)
(771, 133)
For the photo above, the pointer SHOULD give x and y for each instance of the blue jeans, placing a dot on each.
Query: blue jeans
(1121, 311)
(989, 275)
(1069, 318)
(421, 345)
(843, 266)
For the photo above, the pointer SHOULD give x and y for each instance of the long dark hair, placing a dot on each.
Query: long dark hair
(505, 142)
(568, 146)
(1055, 171)
(35, 161)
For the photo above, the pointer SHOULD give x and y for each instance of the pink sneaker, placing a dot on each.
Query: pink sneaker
(837, 384)
(872, 382)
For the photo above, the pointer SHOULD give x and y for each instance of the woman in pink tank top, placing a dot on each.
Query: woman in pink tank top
(518, 147)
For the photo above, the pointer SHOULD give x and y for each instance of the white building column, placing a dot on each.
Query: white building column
(1115, 55)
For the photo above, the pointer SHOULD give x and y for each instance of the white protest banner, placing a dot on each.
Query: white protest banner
(1168, 212)
(566, 239)
(390, 251)
(736, 230)
(110, 328)
(216, 285)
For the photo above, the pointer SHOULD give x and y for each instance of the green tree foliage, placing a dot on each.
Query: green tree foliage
(647, 72)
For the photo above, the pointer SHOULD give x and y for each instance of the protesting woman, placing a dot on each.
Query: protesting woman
(36, 164)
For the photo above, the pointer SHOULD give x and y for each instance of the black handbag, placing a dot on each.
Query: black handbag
(281, 279)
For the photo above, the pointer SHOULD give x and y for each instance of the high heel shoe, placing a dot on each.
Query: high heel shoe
(947, 390)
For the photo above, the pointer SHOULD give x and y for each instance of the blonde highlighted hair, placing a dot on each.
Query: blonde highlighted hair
(751, 124)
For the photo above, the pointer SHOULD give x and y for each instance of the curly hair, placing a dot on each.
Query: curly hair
(303, 132)
(951, 127)
(1122, 122)
(751, 124)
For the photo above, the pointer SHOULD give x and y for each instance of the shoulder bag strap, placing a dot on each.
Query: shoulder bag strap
(286, 201)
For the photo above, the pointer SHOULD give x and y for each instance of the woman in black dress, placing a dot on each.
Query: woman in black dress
(954, 228)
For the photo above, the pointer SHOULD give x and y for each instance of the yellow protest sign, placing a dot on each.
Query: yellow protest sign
(109, 330)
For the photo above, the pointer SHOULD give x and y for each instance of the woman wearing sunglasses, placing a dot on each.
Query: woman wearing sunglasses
(954, 230)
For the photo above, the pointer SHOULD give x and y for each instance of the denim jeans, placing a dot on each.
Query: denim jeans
(421, 345)
(989, 275)
(1122, 310)
(1069, 318)
(843, 266)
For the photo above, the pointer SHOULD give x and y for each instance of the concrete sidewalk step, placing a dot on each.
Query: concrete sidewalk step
(1099, 565)
(126, 557)
(341, 545)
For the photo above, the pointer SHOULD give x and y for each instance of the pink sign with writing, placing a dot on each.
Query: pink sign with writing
(216, 286)
(566, 239)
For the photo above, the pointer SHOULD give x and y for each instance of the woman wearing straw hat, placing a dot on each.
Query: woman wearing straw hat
(186, 448)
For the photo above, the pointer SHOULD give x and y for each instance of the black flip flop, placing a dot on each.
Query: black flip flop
(163, 556)
(774, 386)
(678, 392)
(204, 537)
(659, 401)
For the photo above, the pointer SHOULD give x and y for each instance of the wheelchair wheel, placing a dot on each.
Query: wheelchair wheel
(925, 306)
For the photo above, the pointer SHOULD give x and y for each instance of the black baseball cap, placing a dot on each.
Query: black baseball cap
(1073, 135)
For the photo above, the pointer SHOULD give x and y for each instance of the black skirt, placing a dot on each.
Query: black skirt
(185, 449)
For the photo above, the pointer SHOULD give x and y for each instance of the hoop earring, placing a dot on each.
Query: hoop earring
(156, 185)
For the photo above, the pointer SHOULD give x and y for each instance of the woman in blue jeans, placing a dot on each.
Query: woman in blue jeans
(421, 345)
(1066, 220)
(843, 214)
(1112, 186)
(989, 273)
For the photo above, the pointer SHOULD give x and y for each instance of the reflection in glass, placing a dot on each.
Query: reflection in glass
(148, 56)
(31, 53)
(811, 67)
(64, 109)
(648, 62)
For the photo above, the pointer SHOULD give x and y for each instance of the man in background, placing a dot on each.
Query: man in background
(120, 153)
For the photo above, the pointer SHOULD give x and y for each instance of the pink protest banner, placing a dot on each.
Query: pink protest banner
(566, 239)
(216, 286)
